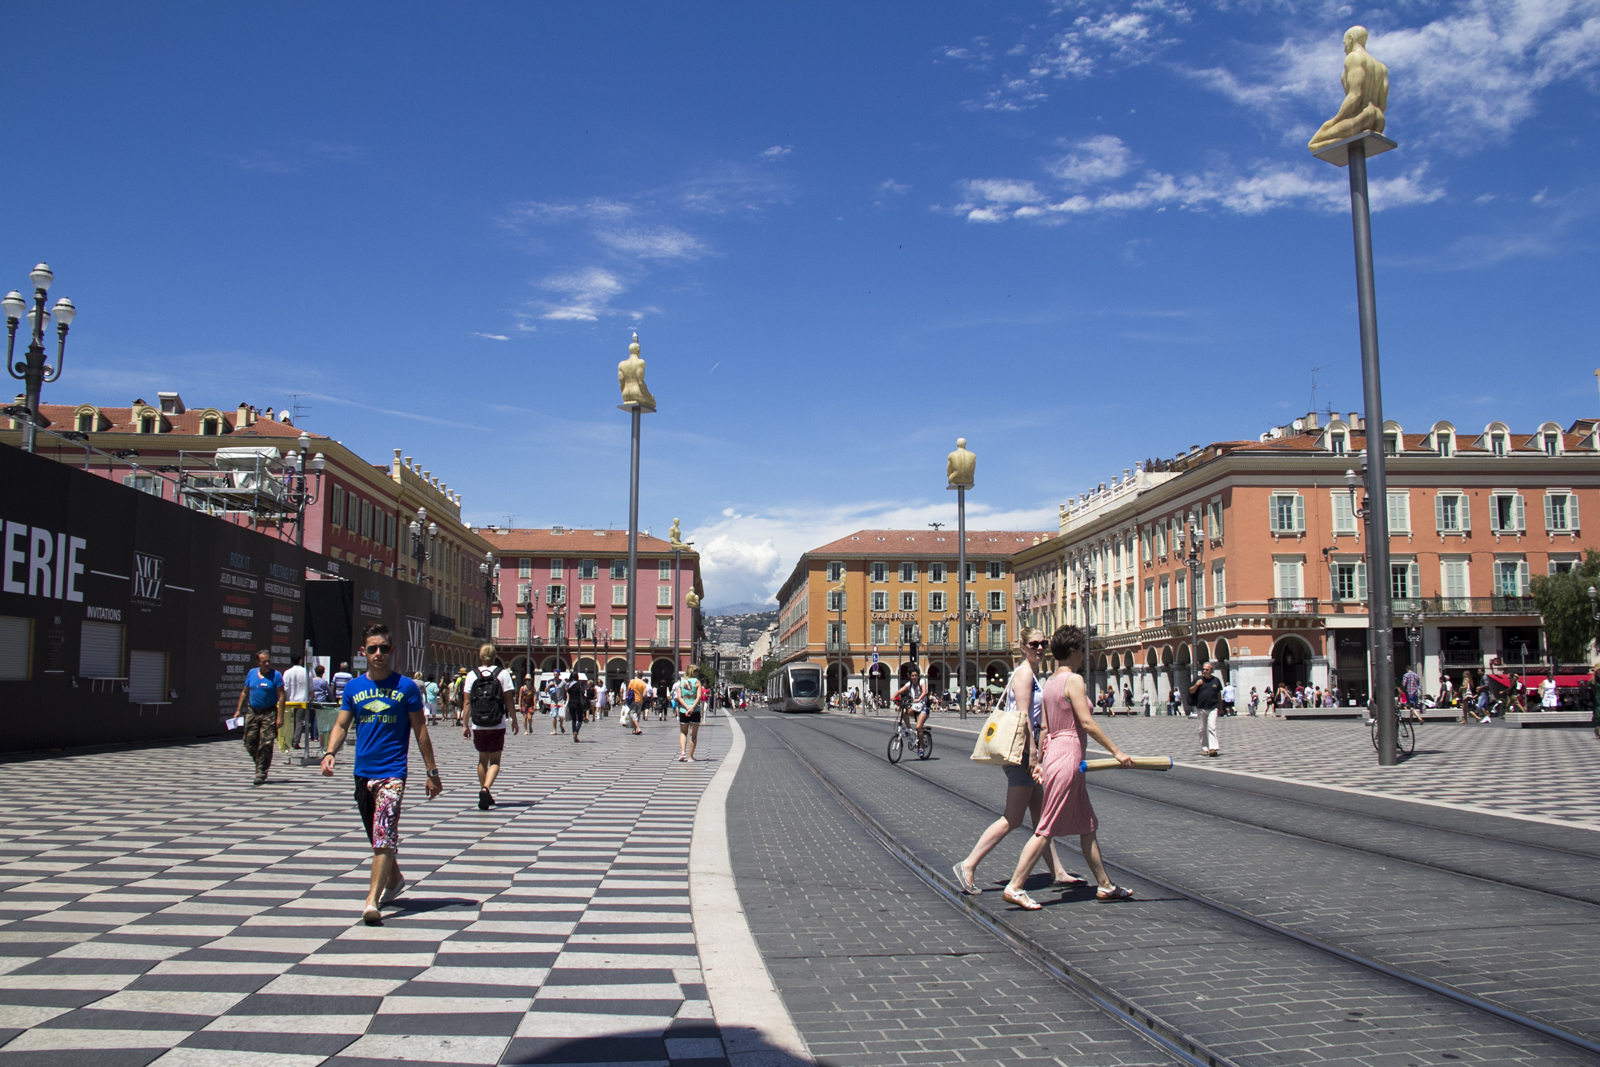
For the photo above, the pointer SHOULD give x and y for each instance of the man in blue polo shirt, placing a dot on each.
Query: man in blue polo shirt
(386, 708)
(263, 687)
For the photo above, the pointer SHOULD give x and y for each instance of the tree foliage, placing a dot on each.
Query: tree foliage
(1563, 600)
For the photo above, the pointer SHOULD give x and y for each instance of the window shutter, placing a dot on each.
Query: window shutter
(1361, 580)
(1522, 514)
(1572, 512)
(1299, 513)
(1494, 514)
(1272, 514)
(1549, 512)
(1522, 578)
(1464, 509)
(1438, 512)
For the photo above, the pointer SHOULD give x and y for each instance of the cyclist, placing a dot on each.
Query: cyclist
(913, 695)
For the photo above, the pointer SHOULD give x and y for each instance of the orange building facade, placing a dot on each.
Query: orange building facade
(1278, 592)
(901, 586)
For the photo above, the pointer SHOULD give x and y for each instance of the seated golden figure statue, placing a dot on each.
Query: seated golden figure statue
(630, 375)
(961, 466)
(675, 536)
(1366, 94)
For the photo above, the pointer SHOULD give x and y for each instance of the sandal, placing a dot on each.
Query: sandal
(965, 884)
(1021, 899)
(1116, 892)
(1070, 881)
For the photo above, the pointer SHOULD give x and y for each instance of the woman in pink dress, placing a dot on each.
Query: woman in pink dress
(1068, 717)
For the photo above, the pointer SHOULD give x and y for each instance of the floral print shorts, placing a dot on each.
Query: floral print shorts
(379, 802)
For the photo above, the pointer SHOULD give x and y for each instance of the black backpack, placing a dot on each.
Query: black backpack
(488, 708)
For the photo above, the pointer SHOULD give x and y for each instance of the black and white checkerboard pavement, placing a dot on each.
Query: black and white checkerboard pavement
(157, 908)
(1546, 774)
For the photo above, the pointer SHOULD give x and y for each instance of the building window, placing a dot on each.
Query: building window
(1344, 516)
(936, 601)
(997, 570)
(997, 600)
(972, 572)
(1116, 557)
(908, 572)
(1552, 444)
(1166, 593)
(555, 594)
(664, 569)
(145, 483)
(586, 596)
(1507, 513)
(1161, 540)
(880, 600)
(908, 601)
(524, 568)
(663, 629)
(619, 570)
(1444, 444)
(1150, 597)
(971, 600)
(555, 568)
(880, 572)
(1399, 512)
(1391, 444)
(1451, 513)
(1144, 543)
(522, 630)
(938, 633)
(1405, 580)
(1182, 584)
(836, 600)
(880, 633)
(1562, 566)
(86, 423)
(336, 512)
(208, 427)
(1288, 577)
(524, 591)
(1510, 577)
(1219, 586)
(619, 628)
(1454, 573)
(835, 571)
(663, 596)
(1350, 581)
(1497, 444)
(907, 632)
(836, 632)
(1288, 513)
(936, 572)
(997, 634)
(1560, 512)
(619, 596)
(587, 569)
(1214, 520)
(1336, 443)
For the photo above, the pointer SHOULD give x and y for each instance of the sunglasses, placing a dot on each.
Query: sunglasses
(1038, 644)
(378, 650)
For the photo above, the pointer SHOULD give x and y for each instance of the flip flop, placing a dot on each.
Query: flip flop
(965, 884)
(1021, 899)
(1116, 892)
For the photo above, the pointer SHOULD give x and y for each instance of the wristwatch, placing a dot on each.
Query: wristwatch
(433, 773)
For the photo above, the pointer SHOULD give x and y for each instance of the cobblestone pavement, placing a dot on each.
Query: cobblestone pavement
(873, 966)
(1544, 773)
(158, 909)
(1244, 992)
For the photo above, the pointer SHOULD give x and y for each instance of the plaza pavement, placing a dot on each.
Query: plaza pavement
(158, 909)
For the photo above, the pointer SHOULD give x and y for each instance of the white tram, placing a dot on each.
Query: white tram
(795, 687)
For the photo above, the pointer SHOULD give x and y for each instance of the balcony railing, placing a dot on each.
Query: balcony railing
(1174, 616)
(1462, 658)
(1306, 605)
(444, 622)
(1456, 605)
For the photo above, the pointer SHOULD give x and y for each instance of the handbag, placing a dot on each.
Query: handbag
(1004, 737)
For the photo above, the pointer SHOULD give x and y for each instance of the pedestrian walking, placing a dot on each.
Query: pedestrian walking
(1255, 701)
(686, 697)
(341, 678)
(1144, 700)
(1023, 794)
(1067, 721)
(1228, 696)
(1205, 695)
(297, 697)
(263, 688)
(528, 702)
(486, 693)
(577, 694)
(1172, 701)
(604, 700)
(637, 688)
(386, 708)
(321, 688)
(430, 697)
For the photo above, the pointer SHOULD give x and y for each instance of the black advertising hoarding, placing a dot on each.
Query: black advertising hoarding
(360, 596)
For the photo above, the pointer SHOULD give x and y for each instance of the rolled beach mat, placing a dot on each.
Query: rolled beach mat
(1140, 763)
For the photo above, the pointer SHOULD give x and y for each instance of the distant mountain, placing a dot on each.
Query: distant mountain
(741, 609)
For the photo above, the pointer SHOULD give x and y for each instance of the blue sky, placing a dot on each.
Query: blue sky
(1079, 235)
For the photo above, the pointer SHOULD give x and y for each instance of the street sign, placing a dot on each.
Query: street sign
(874, 657)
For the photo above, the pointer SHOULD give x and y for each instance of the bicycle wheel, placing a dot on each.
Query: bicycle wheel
(1374, 733)
(1406, 738)
(924, 743)
(897, 746)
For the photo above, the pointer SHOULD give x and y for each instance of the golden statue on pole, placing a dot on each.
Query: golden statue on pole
(630, 375)
(1366, 94)
(960, 466)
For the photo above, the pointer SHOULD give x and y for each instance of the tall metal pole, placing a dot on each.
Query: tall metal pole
(1194, 604)
(633, 545)
(1381, 625)
(961, 604)
(677, 567)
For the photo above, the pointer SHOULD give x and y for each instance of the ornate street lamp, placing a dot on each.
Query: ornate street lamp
(636, 400)
(32, 371)
(419, 548)
(678, 546)
(299, 497)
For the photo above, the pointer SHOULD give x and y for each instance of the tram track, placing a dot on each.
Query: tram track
(1052, 962)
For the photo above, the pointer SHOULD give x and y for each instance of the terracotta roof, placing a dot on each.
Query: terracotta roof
(908, 544)
(574, 543)
(64, 416)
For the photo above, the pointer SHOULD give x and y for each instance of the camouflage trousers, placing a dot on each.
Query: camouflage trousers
(260, 735)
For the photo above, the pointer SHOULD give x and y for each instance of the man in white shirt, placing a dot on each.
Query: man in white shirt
(1228, 694)
(488, 701)
(1548, 697)
(297, 696)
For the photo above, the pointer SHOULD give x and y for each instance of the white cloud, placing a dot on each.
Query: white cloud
(661, 242)
(490, 336)
(777, 151)
(586, 294)
(889, 185)
(1093, 161)
(545, 213)
(747, 557)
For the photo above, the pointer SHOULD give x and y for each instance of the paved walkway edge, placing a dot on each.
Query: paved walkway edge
(756, 1028)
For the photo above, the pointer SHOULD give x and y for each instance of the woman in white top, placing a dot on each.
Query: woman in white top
(1023, 794)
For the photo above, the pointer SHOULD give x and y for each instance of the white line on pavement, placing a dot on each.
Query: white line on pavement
(756, 1028)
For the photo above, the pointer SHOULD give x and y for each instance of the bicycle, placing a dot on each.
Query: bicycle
(1405, 733)
(921, 741)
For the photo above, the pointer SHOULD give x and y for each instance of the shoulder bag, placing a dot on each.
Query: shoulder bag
(1004, 736)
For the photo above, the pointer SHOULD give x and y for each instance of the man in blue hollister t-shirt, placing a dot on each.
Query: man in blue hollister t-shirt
(386, 707)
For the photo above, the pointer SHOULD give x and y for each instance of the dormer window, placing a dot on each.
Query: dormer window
(209, 426)
(1497, 444)
(1336, 443)
(1443, 441)
(1552, 444)
(1391, 444)
(85, 422)
(147, 423)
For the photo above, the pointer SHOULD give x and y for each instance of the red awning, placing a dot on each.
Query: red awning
(1533, 681)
